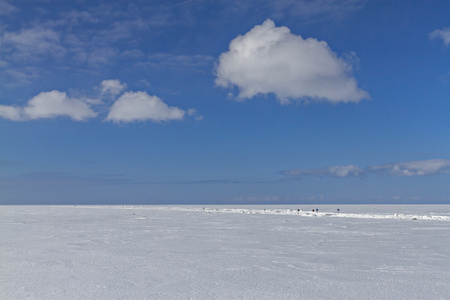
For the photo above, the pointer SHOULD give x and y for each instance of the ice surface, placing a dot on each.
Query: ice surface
(154, 252)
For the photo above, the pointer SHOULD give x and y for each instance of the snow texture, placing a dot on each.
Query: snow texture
(223, 252)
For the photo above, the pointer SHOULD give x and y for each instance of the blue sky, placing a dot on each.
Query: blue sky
(178, 102)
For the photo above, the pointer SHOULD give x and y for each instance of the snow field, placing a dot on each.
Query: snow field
(319, 213)
(151, 252)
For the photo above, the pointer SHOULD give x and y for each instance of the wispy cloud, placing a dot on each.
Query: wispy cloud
(335, 171)
(409, 168)
(100, 56)
(20, 76)
(71, 35)
(326, 8)
(7, 8)
(177, 61)
(443, 34)
(87, 33)
(302, 10)
(32, 44)
(270, 59)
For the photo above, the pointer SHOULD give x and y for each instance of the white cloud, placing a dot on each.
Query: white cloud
(129, 107)
(10, 112)
(345, 171)
(410, 168)
(112, 87)
(49, 105)
(140, 106)
(443, 34)
(271, 59)
(414, 168)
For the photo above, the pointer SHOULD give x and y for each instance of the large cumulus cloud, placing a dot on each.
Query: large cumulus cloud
(270, 59)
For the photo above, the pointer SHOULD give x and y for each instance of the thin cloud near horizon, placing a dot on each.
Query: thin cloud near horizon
(400, 169)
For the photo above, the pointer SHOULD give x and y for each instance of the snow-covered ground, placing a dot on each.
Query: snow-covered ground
(224, 252)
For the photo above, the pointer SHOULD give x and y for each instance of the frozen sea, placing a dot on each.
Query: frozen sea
(225, 252)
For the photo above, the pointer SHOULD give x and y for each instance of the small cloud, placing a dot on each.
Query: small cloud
(140, 106)
(193, 113)
(270, 59)
(443, 34)
(144, 83)
(49, 105)
(112, 87)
